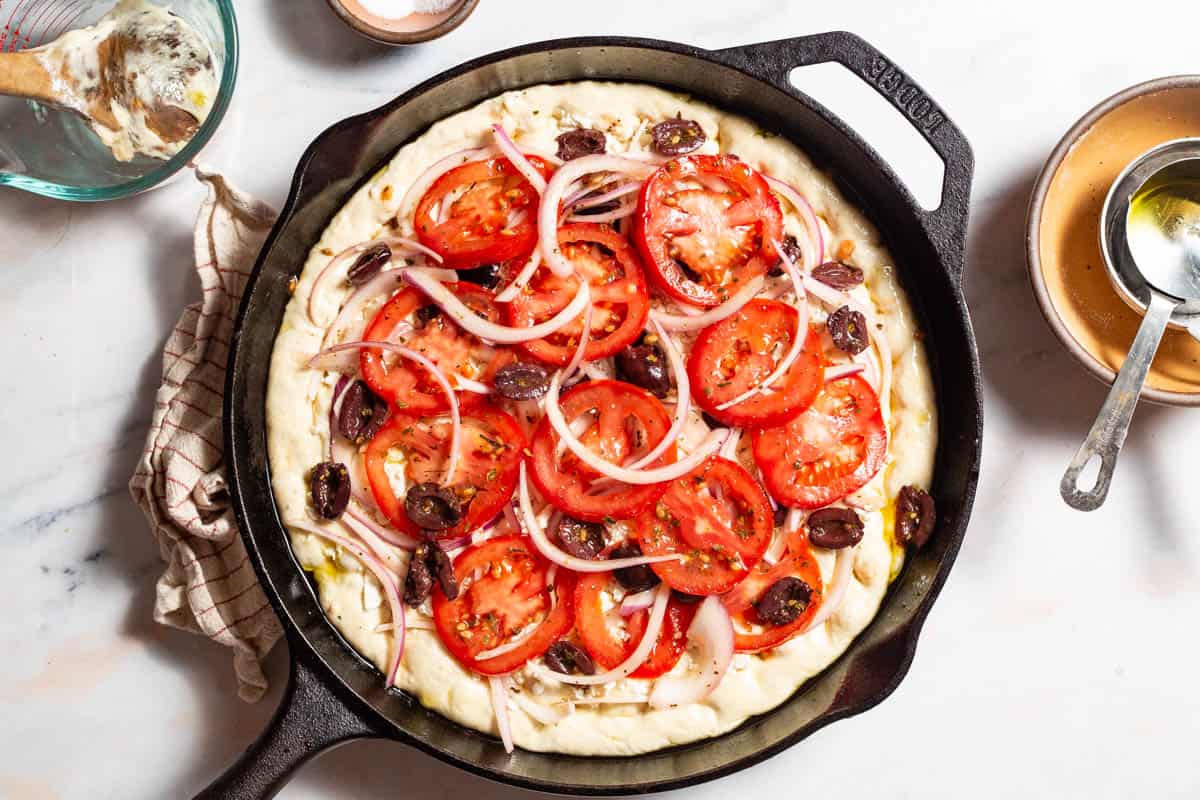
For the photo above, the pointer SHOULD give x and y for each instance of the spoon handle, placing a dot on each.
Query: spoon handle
(1112, 423)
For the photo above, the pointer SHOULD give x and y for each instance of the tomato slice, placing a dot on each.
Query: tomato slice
(489, 462)
(610, 638)
(620, 302)
(750, 634)
(409, 386)
(502, 592)
(719, 518)
(626, 421)
(482, 212)
(829, 451)
(739, 352)
(705, 224)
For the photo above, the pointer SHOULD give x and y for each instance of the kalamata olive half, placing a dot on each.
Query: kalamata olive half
(522, 380)
(791, 248)
(329, 486)
(834, 528)
(425, 315)
(580, 142)
(567, 658)
(674, 137)
(368, 264)
(419, 583)
(838, 275)
(780, 516)
(432, 507)
(634, 579)
(645, 365)
(915, 516)
(580, 539)
(487, 276)
(443, 569)
(848, 329)
(784, 601)
(362, 414)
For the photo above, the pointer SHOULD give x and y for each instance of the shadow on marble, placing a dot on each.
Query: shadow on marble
(311, 32)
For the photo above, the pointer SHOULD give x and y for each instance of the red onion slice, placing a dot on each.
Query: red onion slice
(658, 612)
(335, 409)
(333, 271)
(797, 341)
(386, 281)
(711, 632)
(812, 252)
(524, 636)
(683, 397)
(537, 534)
(499, 689)
(359, 520)
(843, 371)
(471, 322)
(509, 293)
(509, 148)
(689, 322)
(544, 714)
(559, 184)
(382, 574)
(779, 543)
(439, 168)
(584, 337)
(625, 209)
(843, 571)
(584, 201)
(638, 601)
(729, 448)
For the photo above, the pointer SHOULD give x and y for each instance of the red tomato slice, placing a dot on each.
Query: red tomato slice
(502, 592)
(620, 302)
(627, 421)
(829, 451)
(409, 385)
(610, 638)
(719, 518)
(489, 462)
(483, 212)
(705, 225)
(739, 352)
(750, 634)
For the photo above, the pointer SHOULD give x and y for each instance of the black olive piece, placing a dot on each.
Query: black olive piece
(522, 380)
(580, 142)
(791, 248)
(443, 569)
(599, 208)
(783, 602)
(780, 515)
(487, 276)
(580, 539)
(674, 137)
(363, 413)
(834, 528)
(848, 329)
(329, 486)
(839, 275)
(686, 599)
(712, 421)
(567, 659)
(419, 583)
(645, 365)
(432, 507)
(425, 315)
(634, 579)
(915, 516)
(368, 264)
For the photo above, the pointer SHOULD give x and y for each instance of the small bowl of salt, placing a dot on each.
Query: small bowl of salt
(403, 21)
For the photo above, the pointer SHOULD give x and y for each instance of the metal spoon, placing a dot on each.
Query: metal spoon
(1152, 252)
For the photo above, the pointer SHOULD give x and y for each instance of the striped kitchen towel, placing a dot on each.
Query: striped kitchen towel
(209, 586)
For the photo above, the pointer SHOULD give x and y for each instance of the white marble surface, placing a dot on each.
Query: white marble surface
(1058, 662)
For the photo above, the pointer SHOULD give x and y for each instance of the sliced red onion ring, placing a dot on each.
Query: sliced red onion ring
(359, 520)
(639, 601)
(625, 209)
(468, 320)
(386, 281)
(729, 448)
(637, 477)
(515, 157)
(537, 534)
(544, 714)
(812, 252)
(843, 571)
(439, 168)
(382, 574)
(779, 544)
(711, 632)
(550, 206)
(333, 270)
(472, 386)
(584, 337)
(432, 368)
(499, 687)
(843, 371)
(658, 611)
(335, 409)
(688, 322)
(509, 293)
(583, 200)
(797, 340)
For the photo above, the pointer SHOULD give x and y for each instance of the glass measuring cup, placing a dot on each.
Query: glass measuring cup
(53, 152)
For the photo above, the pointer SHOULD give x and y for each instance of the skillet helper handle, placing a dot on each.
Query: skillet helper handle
(774, 61)
(309, 721)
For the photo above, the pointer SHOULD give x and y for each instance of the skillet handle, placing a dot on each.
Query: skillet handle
(310, 720)
(774, 61)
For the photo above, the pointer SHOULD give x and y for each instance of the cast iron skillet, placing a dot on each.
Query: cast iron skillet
(334, 695)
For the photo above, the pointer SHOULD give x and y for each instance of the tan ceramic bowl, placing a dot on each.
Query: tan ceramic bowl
(358, 18)
(1063, 241)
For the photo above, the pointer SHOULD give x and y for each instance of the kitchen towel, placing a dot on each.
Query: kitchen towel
(209, 586)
